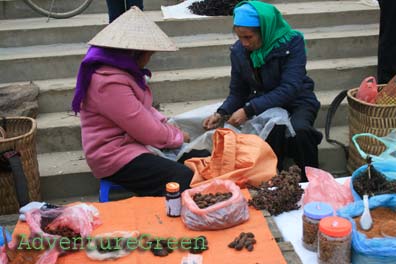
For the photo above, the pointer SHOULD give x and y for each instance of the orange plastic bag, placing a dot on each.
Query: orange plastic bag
(323, 187)
(368, 90)
(221, 215)
(241, 158)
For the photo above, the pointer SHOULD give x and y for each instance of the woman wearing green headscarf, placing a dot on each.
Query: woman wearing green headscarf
(268, 70)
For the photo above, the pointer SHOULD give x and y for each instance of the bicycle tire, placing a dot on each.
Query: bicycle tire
(58, 15)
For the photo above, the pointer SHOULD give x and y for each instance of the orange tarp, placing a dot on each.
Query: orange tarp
(148, 216)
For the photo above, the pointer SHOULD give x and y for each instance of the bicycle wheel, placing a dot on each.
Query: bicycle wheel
(58, 8)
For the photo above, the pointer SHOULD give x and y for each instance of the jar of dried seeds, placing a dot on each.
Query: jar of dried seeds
(334, 240)
(313, 212)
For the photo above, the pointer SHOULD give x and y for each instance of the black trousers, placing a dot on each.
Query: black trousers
(147, 174)
(117, 7)
(303, 148)
(387, 41)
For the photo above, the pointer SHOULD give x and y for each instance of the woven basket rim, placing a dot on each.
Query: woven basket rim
(349, 94)
(29, 133)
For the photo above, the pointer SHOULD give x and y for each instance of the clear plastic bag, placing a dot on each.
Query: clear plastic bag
(120, 249)
(323, 187)
(221, 215)
(80, 218)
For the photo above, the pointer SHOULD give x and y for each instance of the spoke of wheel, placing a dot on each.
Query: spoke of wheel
(50, 11)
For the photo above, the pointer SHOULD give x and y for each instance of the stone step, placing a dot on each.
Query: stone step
(12, 9)
(211, 83)
(37, 31)
(66, 174)
(61, 131)
(207, 50)
(16, 9)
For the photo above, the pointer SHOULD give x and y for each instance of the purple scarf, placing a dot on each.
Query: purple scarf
(96, 57)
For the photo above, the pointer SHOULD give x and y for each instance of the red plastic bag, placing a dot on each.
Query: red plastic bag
(368, 90)
(221, 215)
(80, 218)
(322, 187)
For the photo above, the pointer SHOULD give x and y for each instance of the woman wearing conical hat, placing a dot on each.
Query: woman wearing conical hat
(268, 70)
(115, 106)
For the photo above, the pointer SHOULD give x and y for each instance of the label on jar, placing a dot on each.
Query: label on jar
(173, 206)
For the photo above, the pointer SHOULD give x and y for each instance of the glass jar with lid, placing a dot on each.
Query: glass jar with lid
(313, 213)
(334, 238)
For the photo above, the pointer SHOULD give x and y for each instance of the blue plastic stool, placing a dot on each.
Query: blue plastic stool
(8, 236)
(104, 190)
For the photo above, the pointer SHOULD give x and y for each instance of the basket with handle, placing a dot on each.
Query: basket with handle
(376, 119)
(363, 117)
(18, 137)
(389, 142)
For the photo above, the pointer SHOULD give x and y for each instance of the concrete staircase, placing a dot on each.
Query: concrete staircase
(341, 39)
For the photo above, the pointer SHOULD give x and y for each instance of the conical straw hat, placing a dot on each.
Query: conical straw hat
(133, 30)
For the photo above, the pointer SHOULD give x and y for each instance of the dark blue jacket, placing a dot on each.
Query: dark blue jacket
(281, 82)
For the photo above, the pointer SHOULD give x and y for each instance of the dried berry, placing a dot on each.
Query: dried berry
(214, 7)
(244, 240)
(280, 194)
(199, 244)
(206, 200)
(160, 248)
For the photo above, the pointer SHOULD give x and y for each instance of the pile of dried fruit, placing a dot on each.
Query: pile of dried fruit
(206, 200)
(244, 240)
(214, 7)
(160, 249)
(280, 194)
(198, 245)
(375, 185)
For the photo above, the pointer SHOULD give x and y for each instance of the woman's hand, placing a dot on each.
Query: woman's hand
(238, 118)
(212, 121)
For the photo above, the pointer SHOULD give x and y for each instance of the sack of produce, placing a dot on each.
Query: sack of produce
(373, 245)
(382, 179)
(71, 221)
(215, 205)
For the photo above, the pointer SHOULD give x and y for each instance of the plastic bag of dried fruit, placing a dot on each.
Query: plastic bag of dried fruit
(69, 221)
(378, 249)
(230, 212)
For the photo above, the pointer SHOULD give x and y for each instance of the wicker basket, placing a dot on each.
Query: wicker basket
(20, 135)
(368, 118)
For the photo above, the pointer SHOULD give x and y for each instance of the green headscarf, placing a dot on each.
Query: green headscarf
(274, 30)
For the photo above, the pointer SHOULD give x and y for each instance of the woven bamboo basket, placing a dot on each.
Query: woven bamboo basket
(20, 135)
(368, 118)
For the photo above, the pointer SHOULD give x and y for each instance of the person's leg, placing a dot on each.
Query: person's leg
(303, 147)
(138, 3)
(147, 175)
(387, 41)
(276, 139)
(115, 8)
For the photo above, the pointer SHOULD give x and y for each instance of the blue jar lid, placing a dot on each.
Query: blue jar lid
(318, 210)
